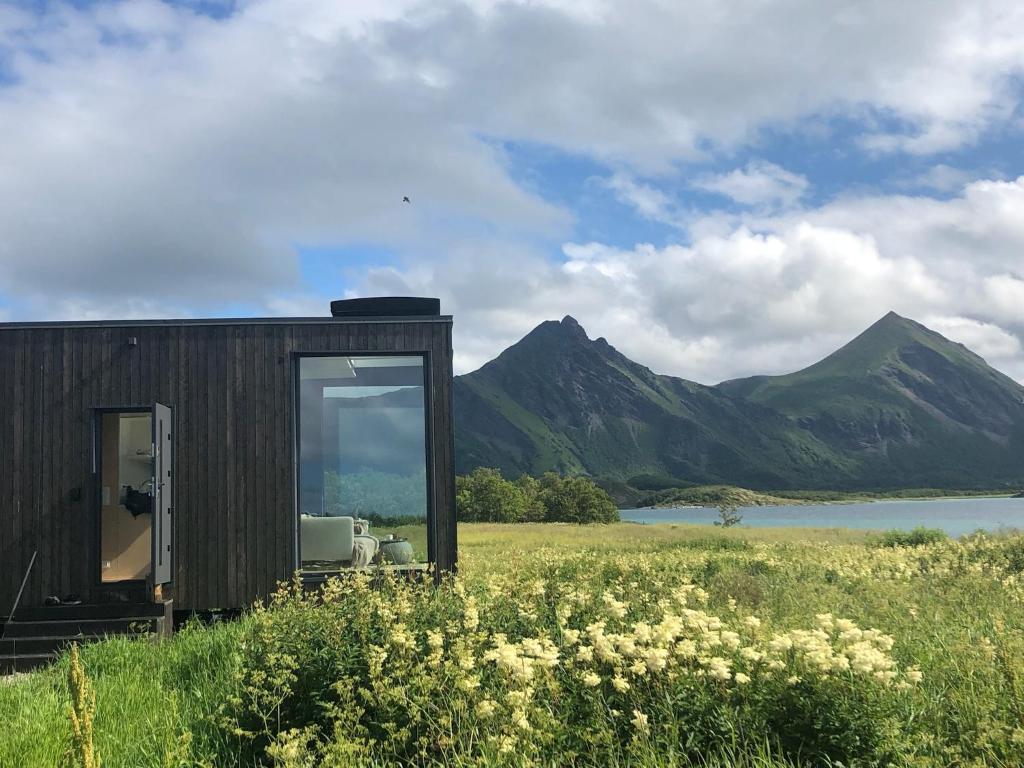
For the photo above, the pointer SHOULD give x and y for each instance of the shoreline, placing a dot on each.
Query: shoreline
(783, 501)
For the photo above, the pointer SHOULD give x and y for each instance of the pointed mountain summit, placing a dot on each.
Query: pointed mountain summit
(898, 406)
(913, 407)
(557, 400)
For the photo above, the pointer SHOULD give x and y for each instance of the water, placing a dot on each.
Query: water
(955, 516)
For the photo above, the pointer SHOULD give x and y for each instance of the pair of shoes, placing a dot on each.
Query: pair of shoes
(69, 600)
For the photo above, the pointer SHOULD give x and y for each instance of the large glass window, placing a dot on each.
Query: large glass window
(362, 462)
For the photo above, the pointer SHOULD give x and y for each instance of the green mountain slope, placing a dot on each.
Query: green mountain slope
(899, 406)
(908, 405)
(560, 401)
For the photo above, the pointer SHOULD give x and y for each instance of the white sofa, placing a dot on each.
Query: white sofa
(334, 539)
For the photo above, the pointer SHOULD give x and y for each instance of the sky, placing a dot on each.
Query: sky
(718, 187)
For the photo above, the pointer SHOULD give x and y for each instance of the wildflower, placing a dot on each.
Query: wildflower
(486, 708)
(620, 684)
(657, 659)
(640, 721)
(467, 684)
(471, 618)
(435, 640)
(752, 621)
(591, 679)
(615, 607)
(914, 675)
(520, 720)
(741, 678)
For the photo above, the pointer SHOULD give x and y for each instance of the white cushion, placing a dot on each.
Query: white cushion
(326, 538)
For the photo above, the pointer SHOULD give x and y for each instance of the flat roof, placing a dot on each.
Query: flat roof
(225, 321)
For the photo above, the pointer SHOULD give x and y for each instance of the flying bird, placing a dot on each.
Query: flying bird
(406, 199)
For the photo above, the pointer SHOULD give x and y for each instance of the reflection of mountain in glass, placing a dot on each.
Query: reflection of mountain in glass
(379, 466)
(367, 492)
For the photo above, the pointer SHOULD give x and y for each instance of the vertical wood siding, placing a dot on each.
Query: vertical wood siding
(232, 390)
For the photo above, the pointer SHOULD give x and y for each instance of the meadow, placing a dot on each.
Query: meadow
(597, 645)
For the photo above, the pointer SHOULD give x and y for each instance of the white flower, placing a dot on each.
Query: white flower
(640, 721)
(486, 708)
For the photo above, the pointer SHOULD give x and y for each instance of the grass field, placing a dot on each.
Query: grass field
(594, 645)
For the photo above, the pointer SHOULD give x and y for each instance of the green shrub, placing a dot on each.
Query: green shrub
(914, 538)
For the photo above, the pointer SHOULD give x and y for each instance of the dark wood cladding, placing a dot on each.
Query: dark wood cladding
(231, 385)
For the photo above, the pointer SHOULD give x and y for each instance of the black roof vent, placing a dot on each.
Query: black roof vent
(387, 306)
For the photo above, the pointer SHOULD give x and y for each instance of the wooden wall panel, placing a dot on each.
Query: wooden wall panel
(231, 385)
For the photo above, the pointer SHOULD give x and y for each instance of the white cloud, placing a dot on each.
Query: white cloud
(738, 301)
(150, 151)
(650, 202)
(986, 339)
(940, 177)
(758, 184)
(147, 145)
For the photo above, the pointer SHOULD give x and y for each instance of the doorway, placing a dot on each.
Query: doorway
(134, 478)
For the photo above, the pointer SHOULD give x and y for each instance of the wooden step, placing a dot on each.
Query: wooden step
(92, 628)
(88, 611)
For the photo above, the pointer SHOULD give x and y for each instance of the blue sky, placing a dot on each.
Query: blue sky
(717, 188)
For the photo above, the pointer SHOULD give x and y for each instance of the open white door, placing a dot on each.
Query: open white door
(163, 495)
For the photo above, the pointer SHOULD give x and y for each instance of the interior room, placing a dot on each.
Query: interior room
(126, 469)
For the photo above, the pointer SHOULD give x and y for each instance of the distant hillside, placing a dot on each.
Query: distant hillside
(559, 401)
(899, 406)
(910, 406)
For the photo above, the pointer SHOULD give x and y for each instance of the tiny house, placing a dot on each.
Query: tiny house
(204, 461)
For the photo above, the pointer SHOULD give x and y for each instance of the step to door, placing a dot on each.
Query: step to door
(88, 611)
(39, 634)
(89, 628)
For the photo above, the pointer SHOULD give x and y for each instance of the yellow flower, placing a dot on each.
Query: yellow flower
(620, 684)
(486, 708)
(592, 679)
(640, 721)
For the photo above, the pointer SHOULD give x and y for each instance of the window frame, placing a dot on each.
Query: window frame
(429, 452)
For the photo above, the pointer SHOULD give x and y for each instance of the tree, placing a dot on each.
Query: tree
(575, 500)
(728, 516)
(484, 496)
(533, 506)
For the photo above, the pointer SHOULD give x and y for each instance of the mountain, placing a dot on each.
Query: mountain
(899, 406)
(910, 406)
(560, 401)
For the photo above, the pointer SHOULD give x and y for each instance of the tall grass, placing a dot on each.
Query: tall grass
(707, 647)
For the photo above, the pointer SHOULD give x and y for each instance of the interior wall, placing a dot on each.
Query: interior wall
(126, 542)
